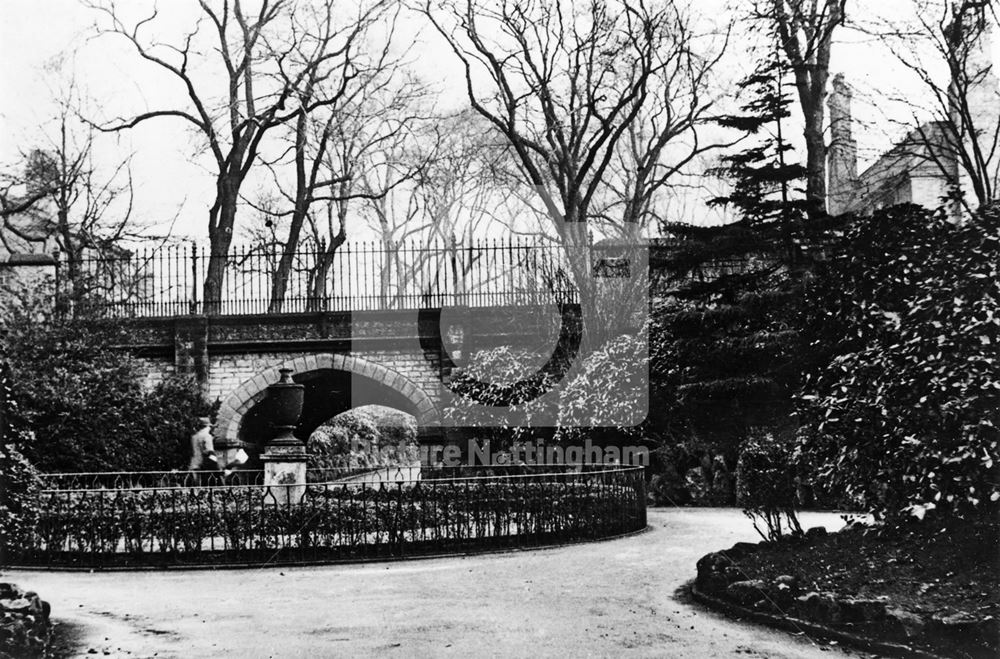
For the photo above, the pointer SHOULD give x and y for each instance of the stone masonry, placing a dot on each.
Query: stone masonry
(235, 358)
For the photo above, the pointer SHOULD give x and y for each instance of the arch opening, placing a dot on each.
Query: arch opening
(333, 384)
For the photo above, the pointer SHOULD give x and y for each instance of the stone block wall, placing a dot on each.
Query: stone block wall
(155, 370)
(227, 372)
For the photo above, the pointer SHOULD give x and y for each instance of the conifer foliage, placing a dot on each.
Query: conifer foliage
(727, 293)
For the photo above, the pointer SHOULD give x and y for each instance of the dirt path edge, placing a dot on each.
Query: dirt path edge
(787, 623)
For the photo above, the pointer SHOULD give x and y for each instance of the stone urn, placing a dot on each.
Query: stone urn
(285, 456)
(285, 399)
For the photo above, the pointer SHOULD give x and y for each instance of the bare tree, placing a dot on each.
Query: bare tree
(945, 44)
(363, 141)
(82, 210)
(804, 29)
(469, 189)
(567, 84)
(392, 205)
(345, 160)
(462, 188)
(379, 164)
(374, 73)
(269, 60)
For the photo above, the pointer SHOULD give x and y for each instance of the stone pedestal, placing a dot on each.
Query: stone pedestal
(285, 457)
(285, 472)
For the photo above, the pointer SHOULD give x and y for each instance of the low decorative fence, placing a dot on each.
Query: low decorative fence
(256, 524)
(124, 480)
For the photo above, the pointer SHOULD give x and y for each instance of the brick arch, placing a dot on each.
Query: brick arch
(252, 391)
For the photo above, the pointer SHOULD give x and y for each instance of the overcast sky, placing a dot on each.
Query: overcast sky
(169, 179)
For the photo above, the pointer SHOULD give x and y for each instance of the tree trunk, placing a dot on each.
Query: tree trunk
(279, 285)
(220, 239)
(318, 299)
(576, 245)
(815, 159)
(805, 31)
(304, 187)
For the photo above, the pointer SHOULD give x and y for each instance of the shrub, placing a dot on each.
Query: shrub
(83, 399)
(395, 428)
(146, 522)
(495, 377)
(691, 473)
(766, 485)
(77, 395)
(716, 370)
(611, 388)
(373, 436)
(168, 418)
(339, 444)
(19, 482)
(600, 390)
(19, 504)
(906, 414)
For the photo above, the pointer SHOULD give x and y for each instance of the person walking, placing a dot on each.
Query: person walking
(202, 446)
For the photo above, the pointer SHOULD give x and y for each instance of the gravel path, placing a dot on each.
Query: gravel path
(615, 598)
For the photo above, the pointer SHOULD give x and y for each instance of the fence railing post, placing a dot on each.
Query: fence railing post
(194, 278)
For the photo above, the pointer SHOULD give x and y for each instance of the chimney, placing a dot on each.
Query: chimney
(842, 157)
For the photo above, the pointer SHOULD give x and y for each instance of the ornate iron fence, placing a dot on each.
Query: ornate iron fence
(124, 480)
(325, 522)
(119, 480)
(358, 276)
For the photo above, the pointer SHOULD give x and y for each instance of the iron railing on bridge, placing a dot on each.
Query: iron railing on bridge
(358, 276)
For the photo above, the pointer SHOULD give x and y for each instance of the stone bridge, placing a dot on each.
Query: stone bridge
(368, 336)
(344, 359)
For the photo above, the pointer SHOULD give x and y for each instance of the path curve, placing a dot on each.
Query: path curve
(613, 598)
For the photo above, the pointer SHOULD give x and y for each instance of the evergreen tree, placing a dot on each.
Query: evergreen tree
(726, 294)
(767, 190)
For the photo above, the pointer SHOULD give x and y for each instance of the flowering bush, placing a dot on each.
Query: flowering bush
(906, 415)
